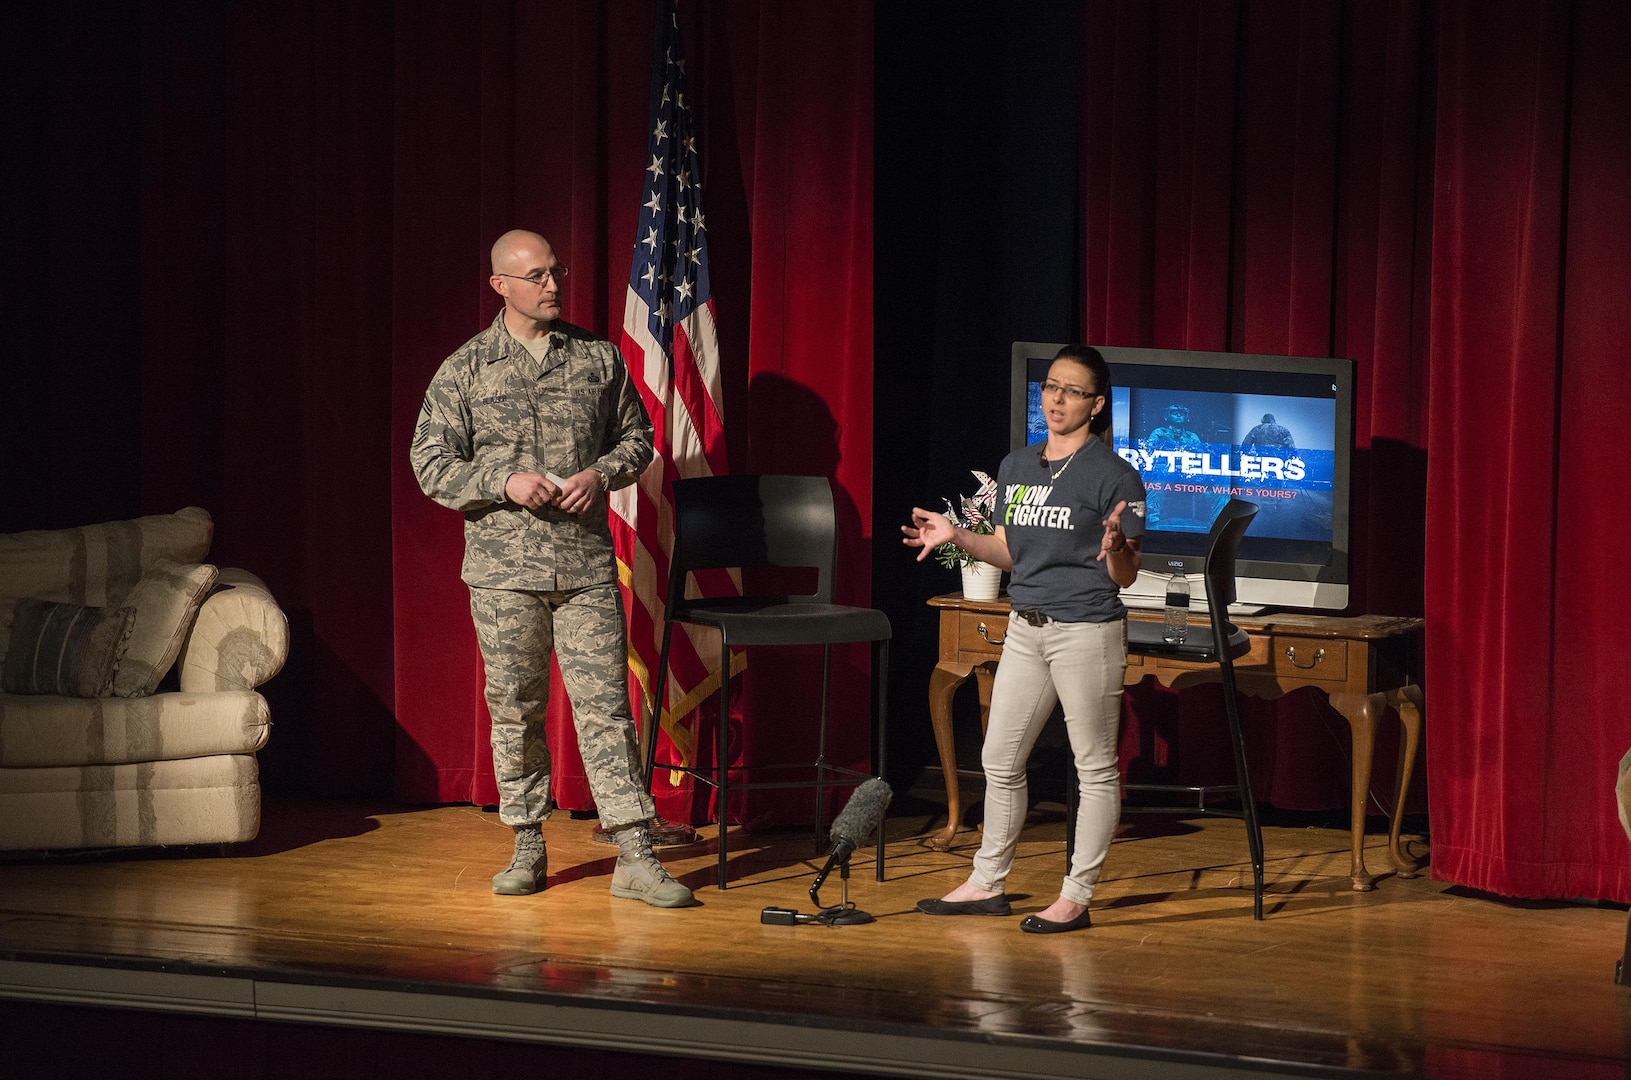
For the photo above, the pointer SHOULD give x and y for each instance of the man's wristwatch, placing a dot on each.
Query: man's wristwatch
(605, 478)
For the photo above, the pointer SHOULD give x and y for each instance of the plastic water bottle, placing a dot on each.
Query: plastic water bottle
(1177, 624)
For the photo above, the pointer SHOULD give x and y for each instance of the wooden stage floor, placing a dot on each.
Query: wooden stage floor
(382, 917)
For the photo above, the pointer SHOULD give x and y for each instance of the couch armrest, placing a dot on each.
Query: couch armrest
(239, 640)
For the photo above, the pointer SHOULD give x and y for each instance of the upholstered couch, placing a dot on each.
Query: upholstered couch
(129, 715)
(1622, 799)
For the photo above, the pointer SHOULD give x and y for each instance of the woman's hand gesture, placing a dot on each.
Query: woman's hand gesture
(927, 531)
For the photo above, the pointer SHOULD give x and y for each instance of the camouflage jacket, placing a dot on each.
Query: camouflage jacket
(492, 410)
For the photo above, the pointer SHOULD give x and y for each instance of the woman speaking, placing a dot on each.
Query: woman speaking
(1070, 512)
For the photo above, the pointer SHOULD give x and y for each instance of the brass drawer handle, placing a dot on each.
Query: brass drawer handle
(1291, 654)
(985, 633)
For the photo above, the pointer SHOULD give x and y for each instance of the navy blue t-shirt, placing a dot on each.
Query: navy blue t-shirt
(1055, 528)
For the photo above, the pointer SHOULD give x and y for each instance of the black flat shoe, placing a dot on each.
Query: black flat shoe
(1036, 924)
(995, 905)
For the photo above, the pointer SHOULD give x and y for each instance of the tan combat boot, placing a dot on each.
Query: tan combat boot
(528, 866)
(639, 876)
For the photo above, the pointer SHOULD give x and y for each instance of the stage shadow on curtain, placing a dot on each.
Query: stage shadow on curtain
(792, 430)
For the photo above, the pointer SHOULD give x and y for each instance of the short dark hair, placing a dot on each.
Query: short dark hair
(1093, 361)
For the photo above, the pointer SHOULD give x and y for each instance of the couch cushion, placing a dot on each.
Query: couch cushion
(210, 800)
(64, 648)
(166, 599)
(99, 564)
(37, 732)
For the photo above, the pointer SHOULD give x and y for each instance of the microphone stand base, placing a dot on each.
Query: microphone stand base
(843, 917)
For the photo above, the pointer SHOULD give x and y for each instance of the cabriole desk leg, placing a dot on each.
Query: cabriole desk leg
(1360, 710)
(943, 683)
(1407, 700)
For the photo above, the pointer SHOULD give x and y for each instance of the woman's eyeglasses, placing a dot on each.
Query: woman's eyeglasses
(1075, 393)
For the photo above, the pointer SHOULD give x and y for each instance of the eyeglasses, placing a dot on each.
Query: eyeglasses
(1076, 393)
(556, 274)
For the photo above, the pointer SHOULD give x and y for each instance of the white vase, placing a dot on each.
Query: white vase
(981, 581)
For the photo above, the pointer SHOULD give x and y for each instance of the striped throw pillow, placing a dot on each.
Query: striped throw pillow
(65, 648)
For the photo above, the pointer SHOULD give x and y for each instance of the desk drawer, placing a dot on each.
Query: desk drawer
(971, 646)
(1324, 659)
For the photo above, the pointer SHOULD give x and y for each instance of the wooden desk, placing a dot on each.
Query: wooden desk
(1364, 664)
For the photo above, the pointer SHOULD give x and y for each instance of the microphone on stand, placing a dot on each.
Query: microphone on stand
(861, 816)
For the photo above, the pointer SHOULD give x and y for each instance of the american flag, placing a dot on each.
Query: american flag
(673, 354)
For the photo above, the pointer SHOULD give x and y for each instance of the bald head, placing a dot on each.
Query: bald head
(516, 247)
(528, 276)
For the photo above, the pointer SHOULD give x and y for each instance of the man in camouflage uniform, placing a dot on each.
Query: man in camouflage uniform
(524, 429)
(1268, 436)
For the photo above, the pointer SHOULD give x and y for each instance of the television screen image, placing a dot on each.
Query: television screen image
(1196, 450)
(1202, 427)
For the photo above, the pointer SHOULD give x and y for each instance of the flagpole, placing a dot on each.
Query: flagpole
(672, 349)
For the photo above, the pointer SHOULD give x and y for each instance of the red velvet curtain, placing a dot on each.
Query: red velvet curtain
(1437, 191)
(1531, 286)
(266, 316)
(321, 183)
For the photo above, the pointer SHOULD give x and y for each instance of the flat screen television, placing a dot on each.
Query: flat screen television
(1202, 426)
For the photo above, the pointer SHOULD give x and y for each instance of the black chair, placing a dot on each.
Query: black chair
(1219, 643)
(753, 522)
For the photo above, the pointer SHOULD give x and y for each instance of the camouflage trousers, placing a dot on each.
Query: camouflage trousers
(584, 627)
